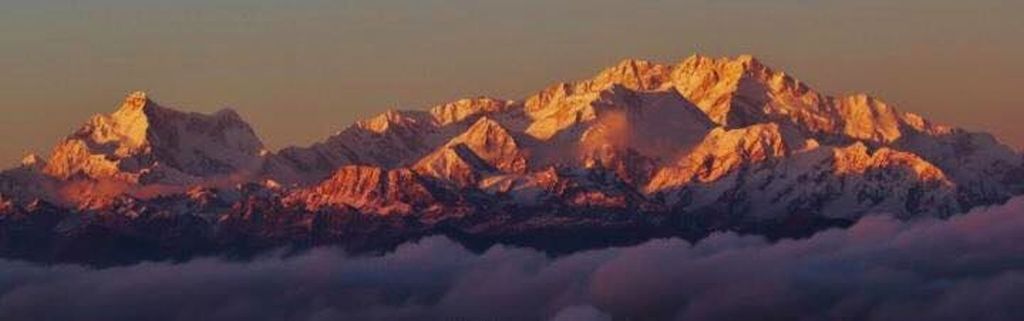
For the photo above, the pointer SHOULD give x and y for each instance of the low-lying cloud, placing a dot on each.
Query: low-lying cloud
(970, 267)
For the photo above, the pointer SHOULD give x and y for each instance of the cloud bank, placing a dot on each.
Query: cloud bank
(970, 267)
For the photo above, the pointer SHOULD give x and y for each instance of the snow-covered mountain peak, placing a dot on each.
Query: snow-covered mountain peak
(743, 91)
(744, 63)
(724, 151)
(708, 144)
(392, 119)
(857, 159)
(128, 125)
(486, 131)
(867, 118)
(134, 101)
(142, 142)
(368, 189)
(689, 136)
(484, 148)
(634, 74)
(463, 109)
(33, 162)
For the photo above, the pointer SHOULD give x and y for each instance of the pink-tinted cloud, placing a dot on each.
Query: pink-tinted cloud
(966, 268)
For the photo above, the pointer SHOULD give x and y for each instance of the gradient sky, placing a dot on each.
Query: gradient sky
(302, 70)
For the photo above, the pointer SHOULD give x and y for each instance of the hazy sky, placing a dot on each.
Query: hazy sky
(301, 70)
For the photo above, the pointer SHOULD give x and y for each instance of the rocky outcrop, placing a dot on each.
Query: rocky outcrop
(369, 190)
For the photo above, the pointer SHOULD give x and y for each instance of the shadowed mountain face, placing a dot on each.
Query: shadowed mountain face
(641, 150)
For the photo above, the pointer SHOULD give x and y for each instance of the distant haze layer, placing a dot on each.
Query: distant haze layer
(301, 71)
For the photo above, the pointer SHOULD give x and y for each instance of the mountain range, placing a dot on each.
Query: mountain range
(640, 150)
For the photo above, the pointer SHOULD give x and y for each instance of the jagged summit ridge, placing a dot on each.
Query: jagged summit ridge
(719, 139)
(639, 150)
(672, 127)
(736, 92)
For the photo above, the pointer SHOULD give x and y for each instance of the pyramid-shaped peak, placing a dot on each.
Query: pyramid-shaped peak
(486, 133)
(486, 130)
(146, 143)
(136, 109)
(484, 147)
(135, 100)
(129, 124)
(486, 123)
(140, 112)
